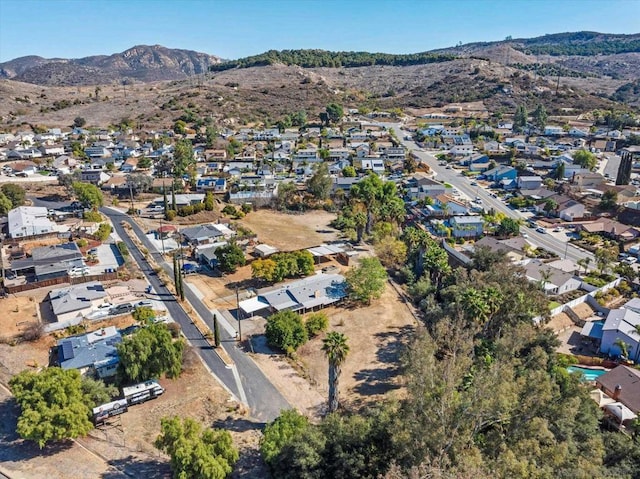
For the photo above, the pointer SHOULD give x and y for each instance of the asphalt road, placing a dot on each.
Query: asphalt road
(245, 380)
(562, 248)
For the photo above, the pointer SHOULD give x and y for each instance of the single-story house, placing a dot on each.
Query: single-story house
(264, 250)
(571, 210)
(76, 301)
(307, 294)
(529, 182)
(552, 280)
(93, 354)
(49, 262)
(29, 221)
(206, 254)
(181, 199)
(500, 173)
(466, 226)
(206, 234)
(478, 163)
(622, 384)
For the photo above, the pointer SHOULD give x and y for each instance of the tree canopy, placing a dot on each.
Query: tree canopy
(367, 280)
(15, 193)
(585, 158)
(196, 454)
(286, 331)
(53, 405)
(229, 257)
(89, 195)
(320, 183)
(322, 58)
(150, 353)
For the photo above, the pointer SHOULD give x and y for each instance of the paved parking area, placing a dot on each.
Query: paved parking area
(108, 257)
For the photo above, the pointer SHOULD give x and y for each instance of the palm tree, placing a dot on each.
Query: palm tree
(624, 348)
(584, 262)
(336, 349)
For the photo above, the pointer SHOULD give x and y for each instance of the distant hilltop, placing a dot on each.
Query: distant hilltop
(141, 63)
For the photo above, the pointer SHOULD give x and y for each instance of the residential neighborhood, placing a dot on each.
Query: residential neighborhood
(315, 263)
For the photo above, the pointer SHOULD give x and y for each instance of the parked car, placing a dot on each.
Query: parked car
(144, 304)
(122, 308)
(630, 260)
(540, 229)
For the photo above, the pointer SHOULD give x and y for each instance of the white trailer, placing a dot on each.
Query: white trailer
(142, 392)
(105, 411)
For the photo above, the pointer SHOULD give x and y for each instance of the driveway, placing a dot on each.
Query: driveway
(108, 258)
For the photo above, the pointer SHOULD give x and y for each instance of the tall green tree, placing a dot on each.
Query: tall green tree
(520, 118)
(320, 183)
(5, 205)
(15, 193)
(540, 117)
(209, 201)
(149, 353)
(211, 135)
(196, 454)
(585, 158)
(89, 195)
(230, 257)
(52, 404)
(336, 349)
(367, 280)
(281, 432)
(334, 112)
(609, 200)
(183, 158)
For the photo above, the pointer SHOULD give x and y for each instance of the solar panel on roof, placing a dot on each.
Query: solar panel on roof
(67, 350)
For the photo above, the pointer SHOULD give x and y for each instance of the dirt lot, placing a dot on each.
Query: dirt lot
(291, 232)
(125, 448)
(376, 335)
(17, 314)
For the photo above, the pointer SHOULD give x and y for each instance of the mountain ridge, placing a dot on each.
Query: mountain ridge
(145, 63)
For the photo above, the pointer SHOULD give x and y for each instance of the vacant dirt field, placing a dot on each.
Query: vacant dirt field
(291, 232)
(17, 314)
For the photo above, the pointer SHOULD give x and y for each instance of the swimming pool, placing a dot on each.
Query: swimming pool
(589, 374)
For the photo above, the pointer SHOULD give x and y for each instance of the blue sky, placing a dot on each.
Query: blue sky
(237, 28)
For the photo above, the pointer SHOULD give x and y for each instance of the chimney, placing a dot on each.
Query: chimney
(616, 392)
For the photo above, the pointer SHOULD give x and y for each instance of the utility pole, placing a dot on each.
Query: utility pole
(133, 211)
(161, 235)
(238, 314)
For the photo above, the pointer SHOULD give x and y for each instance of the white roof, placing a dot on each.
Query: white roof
(29, 219)
(620, 411)
(251, 305)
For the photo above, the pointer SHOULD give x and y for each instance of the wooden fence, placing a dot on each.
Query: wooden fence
(61, 280)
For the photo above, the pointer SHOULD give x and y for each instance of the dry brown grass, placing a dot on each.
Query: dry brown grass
(289, 232)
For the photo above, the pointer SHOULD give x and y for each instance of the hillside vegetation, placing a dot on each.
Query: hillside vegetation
(323, 58)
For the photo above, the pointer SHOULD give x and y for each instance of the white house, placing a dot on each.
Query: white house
(571, 210)
(529, 182)
(552, 280)
(29, 221)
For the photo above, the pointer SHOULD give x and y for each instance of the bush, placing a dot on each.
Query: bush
(230, 210)
(124, 251)
(174, 329)
(171, 215)
(143, 314)
(92, 216)
(104, 230)
(82, 243)
(33, 332)
(316, 323)
(285, 330)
